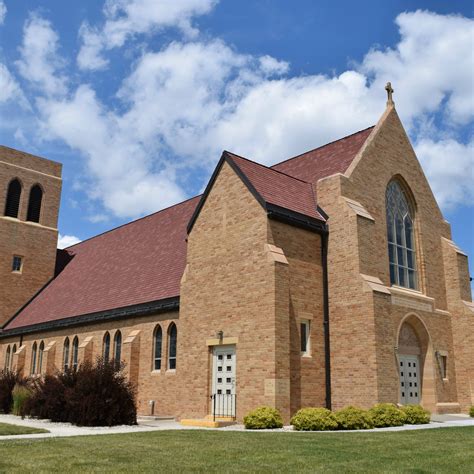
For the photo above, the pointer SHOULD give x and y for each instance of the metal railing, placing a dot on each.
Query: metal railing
(224, 405)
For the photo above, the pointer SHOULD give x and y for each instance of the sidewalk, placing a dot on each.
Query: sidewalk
(150, 424)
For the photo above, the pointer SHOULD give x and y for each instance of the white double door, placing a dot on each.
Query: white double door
(223, 381)
(410, 389)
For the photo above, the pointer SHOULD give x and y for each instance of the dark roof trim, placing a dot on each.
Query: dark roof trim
(144, 309)
(225, 157)
(296, 219)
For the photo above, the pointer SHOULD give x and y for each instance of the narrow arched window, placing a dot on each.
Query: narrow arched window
(12, 205)
(34, 204)
(40, 357)
(75, 353)
(117, 348)
(66, 354)
(172, 340)
(158, 345)
(401, 242)
(106, 347)
(33, 358)
(7, 358)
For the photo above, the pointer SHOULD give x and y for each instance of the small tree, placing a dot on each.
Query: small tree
(8, 380)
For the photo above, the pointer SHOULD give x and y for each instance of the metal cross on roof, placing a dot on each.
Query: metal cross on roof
(390, 91)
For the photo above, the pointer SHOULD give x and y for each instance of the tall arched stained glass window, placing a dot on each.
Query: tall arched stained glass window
(158, 346)
(401, 242)
(106, 348)
(33, 358)
(117, 348)
(75, 353)
(66, 354)
(172, 346)
(40, 357)
(7, 358)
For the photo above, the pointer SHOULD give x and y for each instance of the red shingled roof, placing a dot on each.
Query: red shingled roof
(143, 261)
(279, 188)
(335, 157)
(136, 263)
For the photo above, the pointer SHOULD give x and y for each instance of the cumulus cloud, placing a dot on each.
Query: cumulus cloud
(9, 87)
(127, 18)
(182, 105)
(65, 241)
(40, 63)
(3, 12)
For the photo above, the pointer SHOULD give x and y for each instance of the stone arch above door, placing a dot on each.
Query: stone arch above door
(414, 341)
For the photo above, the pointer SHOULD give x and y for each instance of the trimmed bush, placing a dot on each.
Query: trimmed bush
(21, 393)
(416, 415)
(352, 418)
(263, 418)
(471, 412)
(314, 419)
(387, 414)
(8, 380)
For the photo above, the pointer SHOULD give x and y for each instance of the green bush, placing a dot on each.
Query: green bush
(314, 419)
(416, 415)
(352, 418)
(387, 414)
(21, 394)
(471, 412)
(263, 418)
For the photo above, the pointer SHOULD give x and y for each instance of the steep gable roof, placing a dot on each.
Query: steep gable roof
(274, 190)
(329, 159)
(136, 263)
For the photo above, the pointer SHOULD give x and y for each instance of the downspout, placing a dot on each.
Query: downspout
(327, 347)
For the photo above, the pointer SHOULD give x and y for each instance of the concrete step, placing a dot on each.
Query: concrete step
(155, 417)
(207, 423)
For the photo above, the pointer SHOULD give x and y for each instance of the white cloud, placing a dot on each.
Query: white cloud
(9, 87)
(193, 99)
(127, 18)
(65, 241)
(450, 167)
(3, 12)
(40, 62)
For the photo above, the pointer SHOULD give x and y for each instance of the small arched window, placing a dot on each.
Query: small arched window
(158, 346)
(401, 242)
(75, 353)
(66, 354)
(106, 347)
(12, 205)
(33, 358)
(40, 357)
(34, 204)
(172, 341)
(117, 348)
(7, 358)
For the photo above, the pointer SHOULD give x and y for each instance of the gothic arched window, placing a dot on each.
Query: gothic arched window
(12, 205)
(158, 345)
(75, 353)
(400, 233)
(33, 358)
(40, 357)
(66, 354)
(172, 346)
(7, 358)
(34, 204)
(117, 348)
(106, 347)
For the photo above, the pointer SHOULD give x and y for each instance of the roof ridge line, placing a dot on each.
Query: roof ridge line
(270, 168)
(322, 146)
(131, 222)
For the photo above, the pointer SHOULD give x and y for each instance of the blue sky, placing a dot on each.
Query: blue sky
(138, 98)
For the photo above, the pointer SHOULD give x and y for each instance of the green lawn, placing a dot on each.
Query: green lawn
(437, 450)
(6, 429)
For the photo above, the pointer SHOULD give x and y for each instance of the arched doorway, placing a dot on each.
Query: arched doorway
(415, 363)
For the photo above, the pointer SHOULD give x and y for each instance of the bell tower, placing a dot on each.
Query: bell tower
(30, 194)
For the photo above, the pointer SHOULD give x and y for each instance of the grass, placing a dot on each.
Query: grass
(7, 429)
(440, 450)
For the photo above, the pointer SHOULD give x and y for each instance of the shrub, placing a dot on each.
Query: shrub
(263, 418)
(21, 393)
(416, 415)
(471, 412)
(50, 396)
(352, 418)
(8, 380)
(387, 414)
(93, 395)
(314, 419)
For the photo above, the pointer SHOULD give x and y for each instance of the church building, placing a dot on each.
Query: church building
(329, 279)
